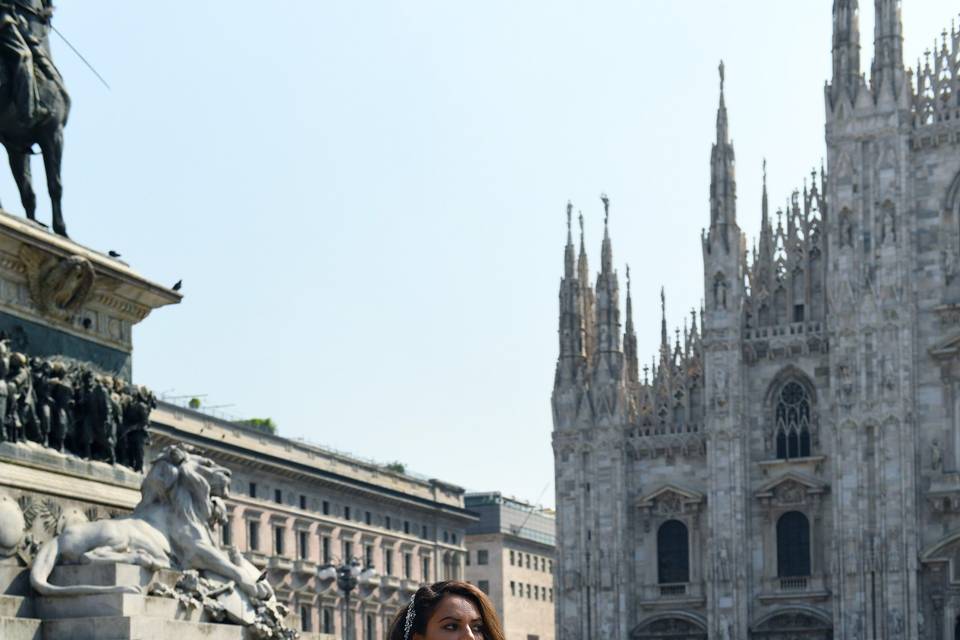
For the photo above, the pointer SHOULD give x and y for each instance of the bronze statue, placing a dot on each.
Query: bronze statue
(63, 402)
(69, 406)
(34, 103)
(135, 436)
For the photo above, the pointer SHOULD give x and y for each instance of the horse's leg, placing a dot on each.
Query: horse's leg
(52, 148)
(20, 166)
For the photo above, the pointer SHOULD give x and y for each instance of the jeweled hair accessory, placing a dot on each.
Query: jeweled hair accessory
(408, 622)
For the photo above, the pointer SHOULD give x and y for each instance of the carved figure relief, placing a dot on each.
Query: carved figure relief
(720, 388)
(669, 504)
(68, 406)
(846, 382)
(789, 493)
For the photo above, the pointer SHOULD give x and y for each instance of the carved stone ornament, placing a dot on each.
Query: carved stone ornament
(790, 492)
(59, 287)
(846, 383)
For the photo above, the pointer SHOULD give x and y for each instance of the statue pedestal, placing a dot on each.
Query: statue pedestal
(113, 616)
(59, 298)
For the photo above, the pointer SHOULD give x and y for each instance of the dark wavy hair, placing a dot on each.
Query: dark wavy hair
(425, 602)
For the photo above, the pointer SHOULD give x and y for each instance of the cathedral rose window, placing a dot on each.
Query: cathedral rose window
(793, 422)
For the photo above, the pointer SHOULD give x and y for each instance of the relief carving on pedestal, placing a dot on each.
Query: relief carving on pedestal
(59, 287)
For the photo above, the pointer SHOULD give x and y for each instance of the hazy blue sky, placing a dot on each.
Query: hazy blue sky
(365, 200)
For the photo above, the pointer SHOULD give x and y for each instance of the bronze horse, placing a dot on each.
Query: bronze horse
(46, 131)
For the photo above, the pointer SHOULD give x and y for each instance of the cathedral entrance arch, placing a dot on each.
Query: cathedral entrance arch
(793, 624)
(672, 625)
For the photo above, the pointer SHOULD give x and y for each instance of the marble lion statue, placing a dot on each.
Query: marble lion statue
(181, 498)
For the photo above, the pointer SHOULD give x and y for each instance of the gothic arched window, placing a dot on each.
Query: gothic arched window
(793, 545)
(792, 421)
(673, 553)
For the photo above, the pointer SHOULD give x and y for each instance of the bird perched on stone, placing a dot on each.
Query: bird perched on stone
(177, 286)
(113, 254)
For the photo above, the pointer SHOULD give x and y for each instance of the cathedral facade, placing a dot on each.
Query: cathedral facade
(789, 465)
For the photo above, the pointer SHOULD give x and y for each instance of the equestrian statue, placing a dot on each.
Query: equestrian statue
(34, 103)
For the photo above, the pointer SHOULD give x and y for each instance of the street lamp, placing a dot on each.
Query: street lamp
(349, 575)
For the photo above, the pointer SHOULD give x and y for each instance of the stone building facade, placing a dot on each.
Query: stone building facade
(510, 556)
(789, 466)
(295, 508)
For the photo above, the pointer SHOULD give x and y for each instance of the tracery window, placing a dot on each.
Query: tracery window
(673, 553)
(793, 545)
(792, 421)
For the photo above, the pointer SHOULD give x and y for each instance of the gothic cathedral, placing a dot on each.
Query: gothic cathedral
(789, 466)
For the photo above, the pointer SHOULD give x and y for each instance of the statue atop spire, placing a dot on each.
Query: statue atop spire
(723, 187)
(606, 254)
(568, 259)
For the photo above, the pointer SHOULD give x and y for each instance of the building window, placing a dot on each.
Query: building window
(252, 490)
(347, 550)
(426, 569)
(453, 538)
(368, 517)
(528, 560)
(513, 588)
(406, 527)
(303, 540)
(446, 536)
(368, 556)
(278, 496)
(370, 629)
(536, 563)
(793, 545)
(484, 585)
(386, 522)
(536, 592)
(408, 566)
(551, 594)
(326, 507)
(327, 620)
(326, 549)
(467, 561)
(278, 540)
(253, 535)
(388, 561)
(793, 422)
(423, 532)
(303, 502)
(673, 553)
(483, 556)
(528, 590)
(346, 513)
(550, 566)
(511, 557)
(306, 623)
(225, 534)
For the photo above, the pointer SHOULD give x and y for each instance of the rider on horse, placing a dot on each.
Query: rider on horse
(21, 50)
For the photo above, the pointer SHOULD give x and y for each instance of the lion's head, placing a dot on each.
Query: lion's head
(192, 485)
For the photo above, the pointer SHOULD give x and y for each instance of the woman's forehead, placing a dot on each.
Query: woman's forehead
(457, 606)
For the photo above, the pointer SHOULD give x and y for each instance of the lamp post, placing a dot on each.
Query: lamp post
(349, 575)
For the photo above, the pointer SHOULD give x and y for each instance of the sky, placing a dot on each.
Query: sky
(365, 199)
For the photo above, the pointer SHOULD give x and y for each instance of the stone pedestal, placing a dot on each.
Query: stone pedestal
(109, 616)
(59, 298)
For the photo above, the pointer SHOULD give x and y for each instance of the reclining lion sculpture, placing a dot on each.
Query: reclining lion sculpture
(181, 500)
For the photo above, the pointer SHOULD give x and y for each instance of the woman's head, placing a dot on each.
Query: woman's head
(447, 611)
